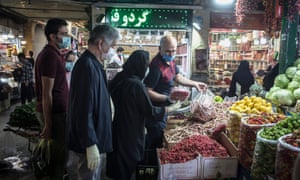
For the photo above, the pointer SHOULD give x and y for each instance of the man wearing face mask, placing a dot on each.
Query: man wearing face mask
(161, 79)
(70, 60)
(89, 118)
(52, 93)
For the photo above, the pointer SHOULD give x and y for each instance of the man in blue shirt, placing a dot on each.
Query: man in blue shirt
(163, 73)
(89, 119)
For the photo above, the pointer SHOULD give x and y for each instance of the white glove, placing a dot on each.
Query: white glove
(174, 107)
(93, 157)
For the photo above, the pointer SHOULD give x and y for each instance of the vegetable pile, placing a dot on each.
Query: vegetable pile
(286, 126)
(190, 147)
(286, 89)
(294, 139)
(24, 116)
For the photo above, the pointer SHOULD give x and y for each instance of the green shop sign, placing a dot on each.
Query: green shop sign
(143, 18)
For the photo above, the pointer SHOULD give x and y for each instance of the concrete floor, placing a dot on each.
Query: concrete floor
(14, 149)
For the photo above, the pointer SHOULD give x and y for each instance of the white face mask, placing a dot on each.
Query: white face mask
(107, 56)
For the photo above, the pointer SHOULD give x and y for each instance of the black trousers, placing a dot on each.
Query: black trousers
(26, 92)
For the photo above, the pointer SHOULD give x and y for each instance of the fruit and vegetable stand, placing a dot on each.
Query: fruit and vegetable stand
(252, 126)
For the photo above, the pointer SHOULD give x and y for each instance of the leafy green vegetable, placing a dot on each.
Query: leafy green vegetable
(290, 72)
(297, 62)
(297, 76)
(296, 93)
(293, 85)
(281, 81)
(283, 97)
(271, 91)
(24, 116)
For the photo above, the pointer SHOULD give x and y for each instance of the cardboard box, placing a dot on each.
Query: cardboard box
(187, 170)
(204, 167)
(225, 167)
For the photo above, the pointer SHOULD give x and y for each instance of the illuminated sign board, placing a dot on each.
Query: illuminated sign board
(143, 18)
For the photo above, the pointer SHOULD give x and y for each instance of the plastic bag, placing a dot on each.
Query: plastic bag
(202, 108)
(41, 157)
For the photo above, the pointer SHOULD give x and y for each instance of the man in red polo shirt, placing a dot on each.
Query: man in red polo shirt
(161, 79)
(52, 93)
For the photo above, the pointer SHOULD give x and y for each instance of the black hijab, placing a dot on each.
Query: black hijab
(136, 65)
(243, 74)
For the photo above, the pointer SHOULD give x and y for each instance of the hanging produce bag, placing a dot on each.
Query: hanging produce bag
(249, 128)
(286, 157)
(202, 108)
(264, 157)
(234, 126)
(41, 159)
(247, 141)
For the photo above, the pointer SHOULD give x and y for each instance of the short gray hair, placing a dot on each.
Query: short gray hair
(105, 32)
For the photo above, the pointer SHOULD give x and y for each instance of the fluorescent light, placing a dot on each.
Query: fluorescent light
(224, 2)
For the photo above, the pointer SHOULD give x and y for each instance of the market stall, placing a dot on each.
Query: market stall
(141, 29)
(193, 142)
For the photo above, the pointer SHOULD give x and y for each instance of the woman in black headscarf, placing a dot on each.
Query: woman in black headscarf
(243, 78)
(269, 78)
(132, 104)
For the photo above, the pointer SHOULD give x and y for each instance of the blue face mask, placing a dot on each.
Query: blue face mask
(168, 58)
(69, 66)
(66, 42)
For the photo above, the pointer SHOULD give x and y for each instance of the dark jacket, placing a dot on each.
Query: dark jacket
(89, 115)
(269, 78)
(244, 77)
(132, 104)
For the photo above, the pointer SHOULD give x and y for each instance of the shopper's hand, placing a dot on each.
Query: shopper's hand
(46, 133)
(174, 107)
(93, 157)
(200, 86)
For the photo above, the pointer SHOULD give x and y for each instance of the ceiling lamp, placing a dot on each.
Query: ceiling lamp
(10, 34)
